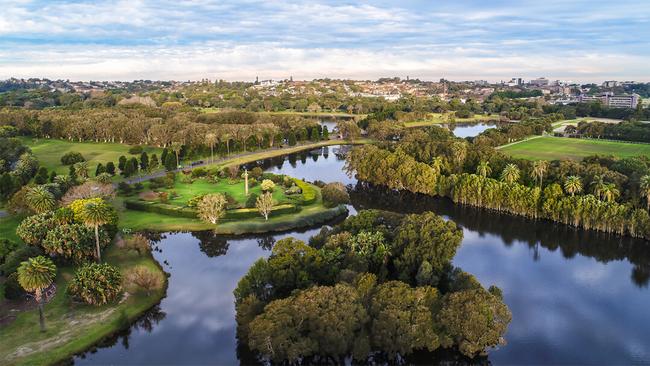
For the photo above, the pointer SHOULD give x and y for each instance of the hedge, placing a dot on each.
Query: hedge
(309, 193)
(231, 215)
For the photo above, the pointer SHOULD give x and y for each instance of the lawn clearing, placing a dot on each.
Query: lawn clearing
(50, 151)
(555, 148)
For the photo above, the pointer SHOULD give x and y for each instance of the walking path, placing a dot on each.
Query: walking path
(520, 141)
(247, 157)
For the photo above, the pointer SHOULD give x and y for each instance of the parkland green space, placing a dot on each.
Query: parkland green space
(441, 118)
(553, 148)
(49, 152)
(73, 327)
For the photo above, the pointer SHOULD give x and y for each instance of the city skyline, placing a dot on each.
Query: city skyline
(468, 40)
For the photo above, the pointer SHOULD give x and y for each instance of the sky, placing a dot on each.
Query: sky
(238, 40)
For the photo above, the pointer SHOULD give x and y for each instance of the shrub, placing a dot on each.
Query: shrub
(335, 194)
(267, 185)
(137, 242)
(124, 188)
(287, 182)
(96, 284)
(13, 289)
(33, 229)
(256, 172)
(194, 201)
(72, 157)
(309, 193)
(13, 259)
(135, 150)
(104, 178)
(199, 172)
(232, 171)
(6, 247)
(145, 278)
(163, 197)
(250, 201)
(138, 187)
(160, 208)
(293, 190)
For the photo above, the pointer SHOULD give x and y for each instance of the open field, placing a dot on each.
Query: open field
(236, 190)
(553, 148)
(441, 118)
(50, 151)
(559, 126)
(71, 327)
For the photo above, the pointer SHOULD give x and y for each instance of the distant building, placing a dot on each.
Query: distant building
(611, 100)
(539, 82)
(610, 84)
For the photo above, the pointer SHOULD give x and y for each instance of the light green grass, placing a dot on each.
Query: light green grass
(50, 151)
(73, 328)
(186, 191)
(442, 118)
(555, 148)
(8, 225)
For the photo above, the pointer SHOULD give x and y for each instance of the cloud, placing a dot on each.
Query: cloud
(238, 40)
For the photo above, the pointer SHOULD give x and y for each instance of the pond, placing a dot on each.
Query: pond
(463, 130)
(577, 297)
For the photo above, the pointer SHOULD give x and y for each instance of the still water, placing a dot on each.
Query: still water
(463, 130)
(577, 297)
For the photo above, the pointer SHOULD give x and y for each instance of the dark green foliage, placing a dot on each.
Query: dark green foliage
(12, 288)
(71, 158)
(6, 248)
(124, 188)
(21, 254)
(326, 133)
(41, 176)
(335, 194)
(122, 162)
(96, 284)
(6, 185)
(170, 162)
(74, 242)
(144, 161)
(134, 150)
(153, 162)
(72, 173)
(291, 140)
(100, 169)
(251, 200)
(110, 168)
(52, 176)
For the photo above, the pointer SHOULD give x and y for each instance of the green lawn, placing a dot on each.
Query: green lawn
(50, 151)
(440, 118)
(553, 148)
(8, 225)
(73, 328)
(186, 191)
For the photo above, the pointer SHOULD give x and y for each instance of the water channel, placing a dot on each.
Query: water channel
(577, 297)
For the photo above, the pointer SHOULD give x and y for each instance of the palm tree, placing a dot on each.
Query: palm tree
(573, 185)
(81, 168)
(95, 215)
(211, 140)
(483, 169)
(35, 275)
(459, 152)
(176, 148)
(510, 173)
(645, 189)
(539, 170)
(436, 164)
(599, 186)
(40, 199)
(610, 193)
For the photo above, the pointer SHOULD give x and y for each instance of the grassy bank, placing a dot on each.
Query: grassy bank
(50, 151)
(552, 148)
(71, 327)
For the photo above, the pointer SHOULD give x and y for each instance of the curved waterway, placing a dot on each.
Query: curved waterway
(577, 297)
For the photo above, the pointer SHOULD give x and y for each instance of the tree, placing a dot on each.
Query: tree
(264, 204)
(35, 275)
(81, 169)
(144, 161)
(100, 169)
(335, 194)
(573, 185)
(212, 207)
(291, 140)
(610, 193)
(211, 140)
(110, 168)
(483, 169)
(6, 185)
(153, 162)
(539, 170)
(122, 162)
(474, 320)
(425, 237)
(40, 199)
(510, 174)
(599, 186)
(95, 214)
(176, 148)
(267, 185)
(170, 163)
(41, 176)
(645, 189)
(348, 129)
(326, 133)
(71, 158)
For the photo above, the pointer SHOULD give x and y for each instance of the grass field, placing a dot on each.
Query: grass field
(50, 151)
(186, 191)
(440, 118)
(553, 148)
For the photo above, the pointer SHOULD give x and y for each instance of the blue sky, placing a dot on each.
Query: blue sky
(238, 40)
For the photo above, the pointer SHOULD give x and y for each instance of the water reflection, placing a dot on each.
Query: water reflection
(463, 130)
(577, 297)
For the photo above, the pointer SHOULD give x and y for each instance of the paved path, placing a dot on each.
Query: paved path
(520, 141)
(206, 162)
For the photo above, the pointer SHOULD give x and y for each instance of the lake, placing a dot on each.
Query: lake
(577, 297)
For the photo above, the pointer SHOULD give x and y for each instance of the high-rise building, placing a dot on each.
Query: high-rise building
(539, 82)
(611, 100)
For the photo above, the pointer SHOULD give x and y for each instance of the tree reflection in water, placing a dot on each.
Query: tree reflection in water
(535, 233)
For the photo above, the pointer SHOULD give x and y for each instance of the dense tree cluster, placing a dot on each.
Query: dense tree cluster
(378, 282)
